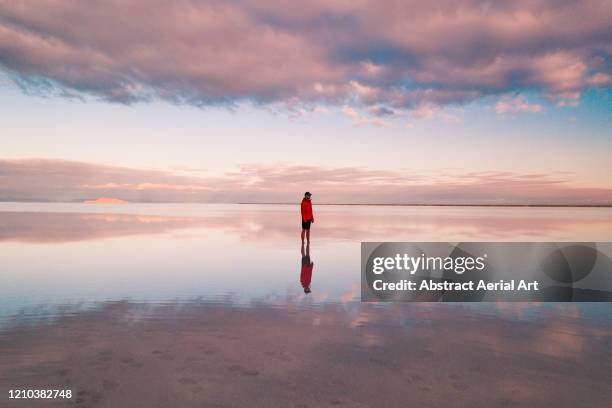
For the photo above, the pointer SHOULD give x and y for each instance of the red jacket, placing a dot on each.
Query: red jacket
(307, 210)
(306, 275)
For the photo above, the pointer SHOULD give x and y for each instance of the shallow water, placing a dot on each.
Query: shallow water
(208, 297)
(69, 254)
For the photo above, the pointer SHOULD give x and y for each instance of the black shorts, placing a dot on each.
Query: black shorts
(306, 224)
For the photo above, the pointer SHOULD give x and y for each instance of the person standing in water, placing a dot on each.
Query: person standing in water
(307, 216)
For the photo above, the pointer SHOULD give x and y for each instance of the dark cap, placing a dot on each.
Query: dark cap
(307, 193)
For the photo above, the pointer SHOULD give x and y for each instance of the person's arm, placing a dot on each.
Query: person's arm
(303, 211)
(311, 212)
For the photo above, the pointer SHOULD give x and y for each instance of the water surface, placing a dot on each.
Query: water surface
(59, 254)
(201, 305)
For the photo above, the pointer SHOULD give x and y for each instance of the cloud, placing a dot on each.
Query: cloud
(514, 105)
(383, 54)
(57, 180)
(429, 111)
(375, 117)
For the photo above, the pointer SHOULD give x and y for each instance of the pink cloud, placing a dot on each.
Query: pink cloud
(56, 180)
(360, 118)
(515, 104)
(364, 54)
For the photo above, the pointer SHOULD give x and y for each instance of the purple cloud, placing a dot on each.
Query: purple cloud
(57, 180)
(383, 56)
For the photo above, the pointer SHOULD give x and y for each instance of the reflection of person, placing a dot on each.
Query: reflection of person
(307, 265)
(307, 216)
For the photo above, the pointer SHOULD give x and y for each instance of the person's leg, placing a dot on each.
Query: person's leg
(308, 236)
(303, 232)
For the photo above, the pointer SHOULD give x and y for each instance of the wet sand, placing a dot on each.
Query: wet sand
(124, 354)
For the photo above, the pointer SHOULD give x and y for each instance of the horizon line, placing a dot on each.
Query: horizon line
(441, 204)
(339, 204)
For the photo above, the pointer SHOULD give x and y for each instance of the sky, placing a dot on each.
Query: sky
(357, 101)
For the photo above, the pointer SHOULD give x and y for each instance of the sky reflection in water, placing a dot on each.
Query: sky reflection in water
(58, 254)
(202, 305)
